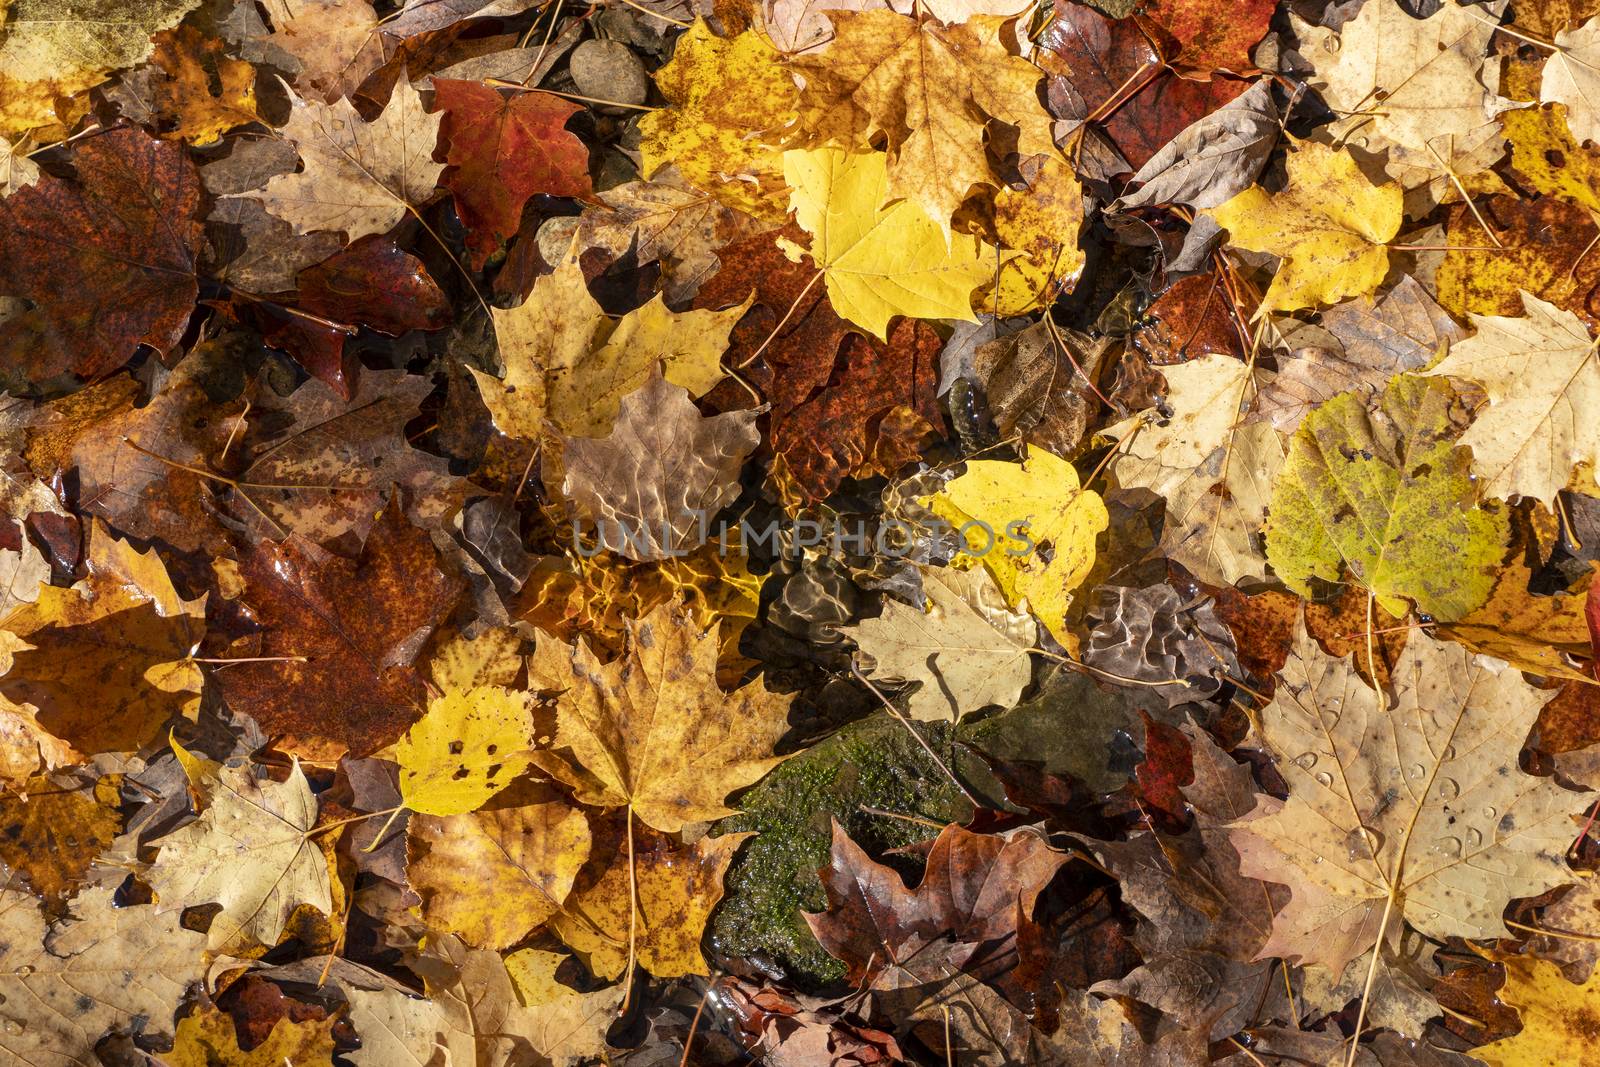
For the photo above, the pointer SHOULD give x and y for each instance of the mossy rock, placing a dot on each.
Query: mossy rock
(874, 763)
(1070, 728)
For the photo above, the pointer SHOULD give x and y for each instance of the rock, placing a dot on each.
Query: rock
(607, 70)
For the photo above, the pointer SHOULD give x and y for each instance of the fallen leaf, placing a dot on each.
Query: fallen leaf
(208, 1037)
(502, 150)
(1200, 38)
(1329, 225)
(1403, 331)
(185, 98)
(337, 44)
(879, 261)
(718, 140)
(677, 888)
(359, 177)
(568, 366)
(961, 662)
(975, 888)
(106, 969)
(468, 745)
(1444, 827)
(1557, 1016)
(653, 486)
(931, 88)
(343, 630)
(52, 830)
(1535, 633)
(1532, 435)
(653, 732)
(107, 261)
(1438, 92)
(830, 387)
(55, 50)
(1570, 79)
(1212, 160)
(493, 875)
(1386, 492)
(1031, 526)
(249, 852)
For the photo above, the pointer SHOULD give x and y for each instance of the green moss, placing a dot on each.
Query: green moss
(1068, 728)
(872, 764)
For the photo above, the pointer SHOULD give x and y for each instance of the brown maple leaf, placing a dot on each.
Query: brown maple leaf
(340, 636)
(107, 261)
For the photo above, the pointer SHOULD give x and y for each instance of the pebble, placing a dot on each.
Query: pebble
(607, 70)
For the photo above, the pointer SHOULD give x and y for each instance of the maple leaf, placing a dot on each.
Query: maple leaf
(1212, 160)
(359, 177)
(55, 50)
(655, 483)
(663, 221)
(321, 467)
(1405, 808)
(468, 745)
(1035, 529)
(106, 662)
(718, 140)
(1041, 222)
(1532, 435)
(1109, 70)
(1200, 38)
(1329, 225)
(1215, 474)
(493, 875)
(1538, 253)
(103, 970)
(961, 660)
(568, 366)
(336, 44)
(676, 887)
(975, 888)
(1401, 332)
(1535, 633)
(52, 832)
(1438, 93)
(1557, 1016)
(830, 387)
(653, 732)
(184, 97)
(108, 260)
(931, 89)
(249, 852)
(1033, 388)
(1386, 492)
(17, 171)
(878, 261)
(211, 1036)
(1548, 159)
(1570, 78)
(343, 630)
(503, 150)
(372, 283)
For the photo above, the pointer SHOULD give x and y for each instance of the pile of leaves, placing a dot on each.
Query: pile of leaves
(854, 532)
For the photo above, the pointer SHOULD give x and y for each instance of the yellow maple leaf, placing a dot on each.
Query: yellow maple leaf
(467, 747)
(677, 888)
(1558, 1017)
(713, 135)
(1040, 223)
(932, 89)
(1329, 225)
(53, 50)
(879, 261)
(568, 365)
(1032, 525)
(653, 732)
(493, 875)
